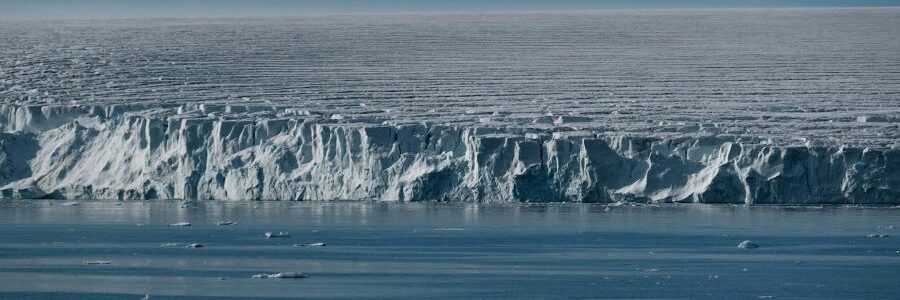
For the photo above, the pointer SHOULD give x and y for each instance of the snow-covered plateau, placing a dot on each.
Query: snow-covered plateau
(776, 106)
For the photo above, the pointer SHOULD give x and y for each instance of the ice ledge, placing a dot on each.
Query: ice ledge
(135, 152)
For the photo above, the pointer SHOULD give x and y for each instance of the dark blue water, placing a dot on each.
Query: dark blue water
(415, 251)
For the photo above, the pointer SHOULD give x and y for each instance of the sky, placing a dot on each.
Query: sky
(92, 9)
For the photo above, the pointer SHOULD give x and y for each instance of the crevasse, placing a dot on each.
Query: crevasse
(135, 152)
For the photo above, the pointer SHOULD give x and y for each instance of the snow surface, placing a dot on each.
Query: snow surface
(722, 106)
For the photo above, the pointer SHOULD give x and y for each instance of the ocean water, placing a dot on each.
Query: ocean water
(445, 251)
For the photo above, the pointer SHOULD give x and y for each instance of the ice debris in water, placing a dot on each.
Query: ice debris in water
(96, 262)
(71, 203)
(181, 224)
(877, 235)
(281, 275)
(319, 244)
(226, 223)
(179, 245)
(282, 234)
(748, 245)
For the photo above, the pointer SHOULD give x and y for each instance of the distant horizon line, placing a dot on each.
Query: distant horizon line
(447, 12)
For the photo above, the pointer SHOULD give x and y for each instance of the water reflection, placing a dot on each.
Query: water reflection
(350, 214)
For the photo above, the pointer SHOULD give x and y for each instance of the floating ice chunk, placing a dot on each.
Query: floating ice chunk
(747, 245)
(282, 234)
(319, 244)
(96, 262)
(449, 229)
(877, 235)
(281, 275)
(71, 203)
(179, 245)
(226, 223)
(181, 224)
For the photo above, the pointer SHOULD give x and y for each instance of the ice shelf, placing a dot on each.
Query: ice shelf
(780, 106)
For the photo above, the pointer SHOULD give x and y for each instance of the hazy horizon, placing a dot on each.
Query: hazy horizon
(110, 9)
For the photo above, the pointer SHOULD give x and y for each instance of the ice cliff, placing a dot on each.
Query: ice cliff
(185, 152)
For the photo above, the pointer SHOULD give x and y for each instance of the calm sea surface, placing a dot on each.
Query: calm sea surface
(415, 251)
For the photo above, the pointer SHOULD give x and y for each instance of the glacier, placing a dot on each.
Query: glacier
(752, 106)
(138, 152)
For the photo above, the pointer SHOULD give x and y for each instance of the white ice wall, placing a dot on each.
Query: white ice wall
(133, 152)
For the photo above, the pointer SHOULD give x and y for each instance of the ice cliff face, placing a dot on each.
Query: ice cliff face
(136, 152)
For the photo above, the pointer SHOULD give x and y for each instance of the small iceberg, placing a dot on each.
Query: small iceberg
(748, 245)
(71, 203)
(180, 245)
(878, 235)
(449, 229)
(319, 244)
(181, 224)
(226, 223)
(96, 262)
(282, 234)
(281, 275)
